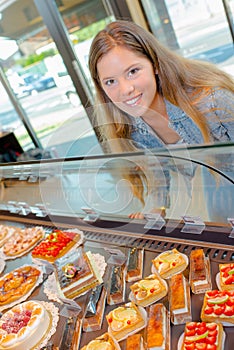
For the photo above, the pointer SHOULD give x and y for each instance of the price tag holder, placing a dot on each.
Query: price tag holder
(117, 257)
(91, 215)
(154, 221)
(193, 224)
(231, 221)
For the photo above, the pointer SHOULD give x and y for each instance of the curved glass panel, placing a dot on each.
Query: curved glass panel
(194, 181)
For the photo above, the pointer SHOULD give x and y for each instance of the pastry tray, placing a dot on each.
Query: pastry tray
(104, 250)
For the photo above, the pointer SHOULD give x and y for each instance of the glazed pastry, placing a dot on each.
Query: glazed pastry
(95, 310)
(199, 273)
(158, 328)
(201, 335)
(179, 299)
(226, 273)
(134, 264)
(148, 290)
(125, 320)
(116, 285)
(135, 342)
(218, 306)
(169, 263)
(17, 283)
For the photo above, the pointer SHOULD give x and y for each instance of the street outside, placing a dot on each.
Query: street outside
(51, 108)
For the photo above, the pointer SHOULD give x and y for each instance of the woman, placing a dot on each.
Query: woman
(154, 97)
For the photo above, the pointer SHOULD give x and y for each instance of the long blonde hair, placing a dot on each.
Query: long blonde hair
(183, 82)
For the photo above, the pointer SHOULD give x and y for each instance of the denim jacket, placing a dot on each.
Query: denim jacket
(219, 116)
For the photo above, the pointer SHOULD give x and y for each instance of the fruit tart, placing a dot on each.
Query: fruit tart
(226, 276)
(202, 335)
(148, 290)
(125, 320)
(56, 244)
(170, 263)
(218, 306)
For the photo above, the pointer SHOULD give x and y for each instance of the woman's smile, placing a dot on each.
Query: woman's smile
(134, 101)
(128, 79)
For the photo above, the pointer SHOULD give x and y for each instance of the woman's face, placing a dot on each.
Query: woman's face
(128, 79)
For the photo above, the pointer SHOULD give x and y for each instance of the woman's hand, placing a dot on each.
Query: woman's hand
(139, 215)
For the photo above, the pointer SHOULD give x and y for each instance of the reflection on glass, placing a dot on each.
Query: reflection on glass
(10, 123)
(38, 76)
(103, 184)
(197, 29)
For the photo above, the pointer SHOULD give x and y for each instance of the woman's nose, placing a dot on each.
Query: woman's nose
(126, 87)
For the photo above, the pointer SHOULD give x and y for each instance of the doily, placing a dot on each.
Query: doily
(54, 314)
(50, 285)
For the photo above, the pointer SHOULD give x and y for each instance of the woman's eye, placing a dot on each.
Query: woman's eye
(109, 82)
(133, 71)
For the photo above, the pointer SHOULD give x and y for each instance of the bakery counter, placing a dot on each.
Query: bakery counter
(112, 250)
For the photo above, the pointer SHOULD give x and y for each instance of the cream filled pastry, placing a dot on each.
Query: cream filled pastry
(23, 326)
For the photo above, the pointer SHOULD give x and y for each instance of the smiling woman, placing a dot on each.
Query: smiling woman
(148, 96)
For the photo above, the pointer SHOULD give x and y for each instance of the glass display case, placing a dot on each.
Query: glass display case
(153, 201)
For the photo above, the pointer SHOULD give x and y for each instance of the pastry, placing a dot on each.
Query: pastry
(56, 244)
(5, 232)
(76, 335)
(218, 306)
(199, 272)
(125, 320)
(201, 335)
(158, 328)
(179, 299)
(116, 285)
(17, 283)
(104, 342)
(226, 273)
(134, 264)
(135, 342)
(148, 290)
(23, 326)
(22, 240)
(169, 263)
(76, 273)
(95, 310)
